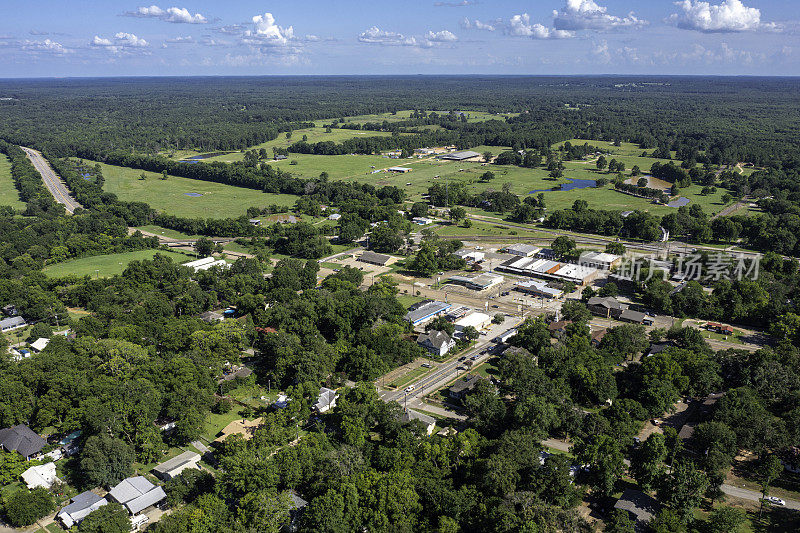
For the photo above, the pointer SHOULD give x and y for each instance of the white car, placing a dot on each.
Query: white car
(774, 500)
(409, 389)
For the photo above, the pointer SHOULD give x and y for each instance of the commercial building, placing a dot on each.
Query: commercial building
(426, 311)
(606, 307)
(373, 258)
(173, 467)
(522, 250)
(466, 155)
(547, 269)
(635, 317)
(480, 282)
(538, 288)
(477, 320)
(503, 337)
(80, 506)
(470, 255)
(137, 493)
(436, 342)
(600, 260)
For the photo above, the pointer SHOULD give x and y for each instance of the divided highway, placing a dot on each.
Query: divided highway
(52, 181)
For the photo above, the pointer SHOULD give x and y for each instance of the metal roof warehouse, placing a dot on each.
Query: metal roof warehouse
(426, 312)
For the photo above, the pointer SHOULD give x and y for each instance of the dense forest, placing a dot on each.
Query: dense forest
(686, 114)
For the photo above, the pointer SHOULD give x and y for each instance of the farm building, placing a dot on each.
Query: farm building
(401, 170)
(466, 155)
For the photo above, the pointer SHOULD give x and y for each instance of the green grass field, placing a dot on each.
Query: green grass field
(107, 265)
(8, 193)
(218, 200)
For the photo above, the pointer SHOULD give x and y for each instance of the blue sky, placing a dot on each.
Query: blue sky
(112, 38)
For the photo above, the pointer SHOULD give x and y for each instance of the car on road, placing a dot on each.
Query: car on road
(774, 500)
(463, 358)
(505, 293)
(495, 306)
(409, 389)
(474, 357)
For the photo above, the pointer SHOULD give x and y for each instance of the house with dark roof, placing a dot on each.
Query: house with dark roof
(635, 317)
(607, 307)
(597, 336)
(558, 328)
(641, 507)
(374, 258)
(23, 440)
(463, 386)
(438, 343)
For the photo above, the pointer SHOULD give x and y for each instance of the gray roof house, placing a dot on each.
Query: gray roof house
(426, 420)
(80, 506)
(21, 439)
(137, 493)
(173, 467)
(326, 400)
(639, 505)
(607, 307)
(14, 322)
(460, 388)
(436, 342)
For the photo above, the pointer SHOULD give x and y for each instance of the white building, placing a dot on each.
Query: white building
(422, 221)
(479, 321)
(545, 268)
(326, 400)
(600, 260)
(436, 342)
(39, 344)
(335, 216)
(206, 263)
(12, 323)
(470, 255)
(40, 476)
(136, 494)
(481, 282)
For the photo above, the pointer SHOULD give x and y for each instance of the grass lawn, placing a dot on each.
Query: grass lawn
(217, 201)
(251, 395)
(410, 376)
(215, 423)
(171, 233)
(8, 193)
(107, 265)
(407, 300)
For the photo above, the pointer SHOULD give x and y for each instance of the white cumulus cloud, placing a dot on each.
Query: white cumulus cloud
(47, 46)
(443, 36)
(121, 43)
(588, 15)
(375, 35)
(476, 24)
(266, 32)
(520, 25)
(177, 15)
(729, 16)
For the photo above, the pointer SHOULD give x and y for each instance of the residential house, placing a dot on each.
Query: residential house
(9, 310)
(136, 494)
(597, 337)
(173, 467)
(635, 317)
(558, 328)
(463, 386)
(40, 476)
(334, 216)
(436, 342)
(23, 440)
(422, 221)
(80, 506)
(39, 344)
(427, 421)
(12, 323)
(641, 507)
(326, 400)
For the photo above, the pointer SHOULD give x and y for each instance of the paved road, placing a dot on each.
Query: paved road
(753, 495)
(52, 181)
(449, 370)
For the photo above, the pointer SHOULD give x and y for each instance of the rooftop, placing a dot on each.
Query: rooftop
(177, 462)
(425, 311)
(21, 439)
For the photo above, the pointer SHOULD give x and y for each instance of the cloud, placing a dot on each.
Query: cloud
(177, 15)
(121, 43)
(600, 52)
(443, 36)
(463, 3)
(375, 35)
(312, 38)
(266, 33)
(520, 25)
(230, 29)
(729, 16)
(478, 25)
(587, 15)
(180, 40)
(47, 46)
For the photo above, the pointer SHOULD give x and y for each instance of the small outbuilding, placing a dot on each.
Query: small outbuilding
(173, 467)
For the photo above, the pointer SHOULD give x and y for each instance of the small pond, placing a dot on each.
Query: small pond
(574, 183)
